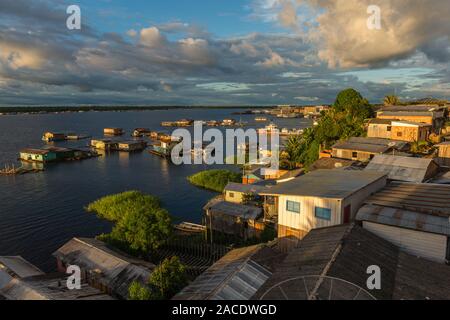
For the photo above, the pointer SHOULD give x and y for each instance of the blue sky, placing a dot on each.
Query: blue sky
(217, 52)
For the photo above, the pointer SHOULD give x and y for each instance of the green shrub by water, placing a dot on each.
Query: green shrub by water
(215, 180)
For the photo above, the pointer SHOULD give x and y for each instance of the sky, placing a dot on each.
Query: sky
(221, 52)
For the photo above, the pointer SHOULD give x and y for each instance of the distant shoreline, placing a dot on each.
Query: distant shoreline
(67, 109)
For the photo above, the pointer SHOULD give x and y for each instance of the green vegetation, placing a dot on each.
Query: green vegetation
(141, 225)
(164, 282)
(391, 101)
(215, 180)
(420, 147)
(344, 120)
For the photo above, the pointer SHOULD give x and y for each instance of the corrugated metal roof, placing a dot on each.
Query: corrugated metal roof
(406, 113)
(20, 266)
(418, 197)
(373, 145)
(116, 269)
(237, 276)
(335, 184)
(402, 168)
(243, 188)
(235, 209)
(404, 219)
(412, 108)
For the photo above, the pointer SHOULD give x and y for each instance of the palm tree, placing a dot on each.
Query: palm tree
(391, 100)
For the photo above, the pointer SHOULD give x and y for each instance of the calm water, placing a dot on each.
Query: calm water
(40, 212)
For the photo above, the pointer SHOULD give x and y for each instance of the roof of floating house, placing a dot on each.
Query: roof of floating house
(425, 198)
(331, 263)
(405, 219)
(334, 184)
(234, 209)
(237, 276)
(408, 169)
(117, 269)
(243, 188)
(19, 267)
(35, 151)
(373, 145)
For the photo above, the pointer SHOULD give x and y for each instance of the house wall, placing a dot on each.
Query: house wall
(235, 197)
(426, 245)
(444, 155)
(348, 154)
(409, 134)
(379, 131)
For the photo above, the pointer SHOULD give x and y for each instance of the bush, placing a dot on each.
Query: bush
(141, 225)
(215, 180)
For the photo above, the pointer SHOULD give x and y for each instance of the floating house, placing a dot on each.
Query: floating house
(103, 268)
(444, 154)
(140, 132)
(113, 131)
(331, 264)
(233, 219)
(236, 276)
(51, 154)
(414, 217)
(20, 280)
(365, 149)
(407, 169)
(213, 123)
(398, 130)
(130, 146)
(319, 199)
(104, 144)
(228, 122)
(53, 136)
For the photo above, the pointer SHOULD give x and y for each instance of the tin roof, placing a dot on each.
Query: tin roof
(407, 169)
(35, 151)
(413, 108)
(19, 266)
(237, 276)
(335, 184)
(419, 197)
(404, 219)
(116, 269)
(373, 145)
(243, 188)
(331, 263)
(235, 209)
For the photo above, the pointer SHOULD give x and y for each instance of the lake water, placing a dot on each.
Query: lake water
(40, 212)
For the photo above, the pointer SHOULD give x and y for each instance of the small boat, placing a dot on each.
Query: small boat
(261, 119)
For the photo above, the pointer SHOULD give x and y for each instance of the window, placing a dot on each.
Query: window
(293, 206)
(354, 154)
(323, 213)
(399, 134)
(389, 129)
(231, 195)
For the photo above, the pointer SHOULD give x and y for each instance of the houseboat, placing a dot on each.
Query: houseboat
(271, 128)
(261, 119)
(291, 132)
(212, 123)
(228, 122)
(53, 154)
(130, 146)
(74, 136)
(140, 132)
(113, 131)
(103, 144)
(53, 136)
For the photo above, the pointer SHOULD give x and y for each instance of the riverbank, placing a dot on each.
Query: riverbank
(73, 109)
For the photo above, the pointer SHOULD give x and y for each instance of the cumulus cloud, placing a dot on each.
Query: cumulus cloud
(151, 37)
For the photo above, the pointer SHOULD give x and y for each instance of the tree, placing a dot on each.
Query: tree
(141, 225)
(165, 281)
(391, 100)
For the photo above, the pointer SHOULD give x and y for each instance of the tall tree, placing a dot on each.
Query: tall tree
(391, 100)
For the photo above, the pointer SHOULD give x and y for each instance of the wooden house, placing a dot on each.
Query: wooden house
(398, 130)
(113, 131)
(364, 149)
(429, 114)
(37, 155)
(130, 146)
(140, 132)
(103, 268)
(414, 217)
(233, 219)
(320, 199)
(236, 192)
(444, 154)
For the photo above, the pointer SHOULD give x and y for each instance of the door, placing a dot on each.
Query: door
(347, 214)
